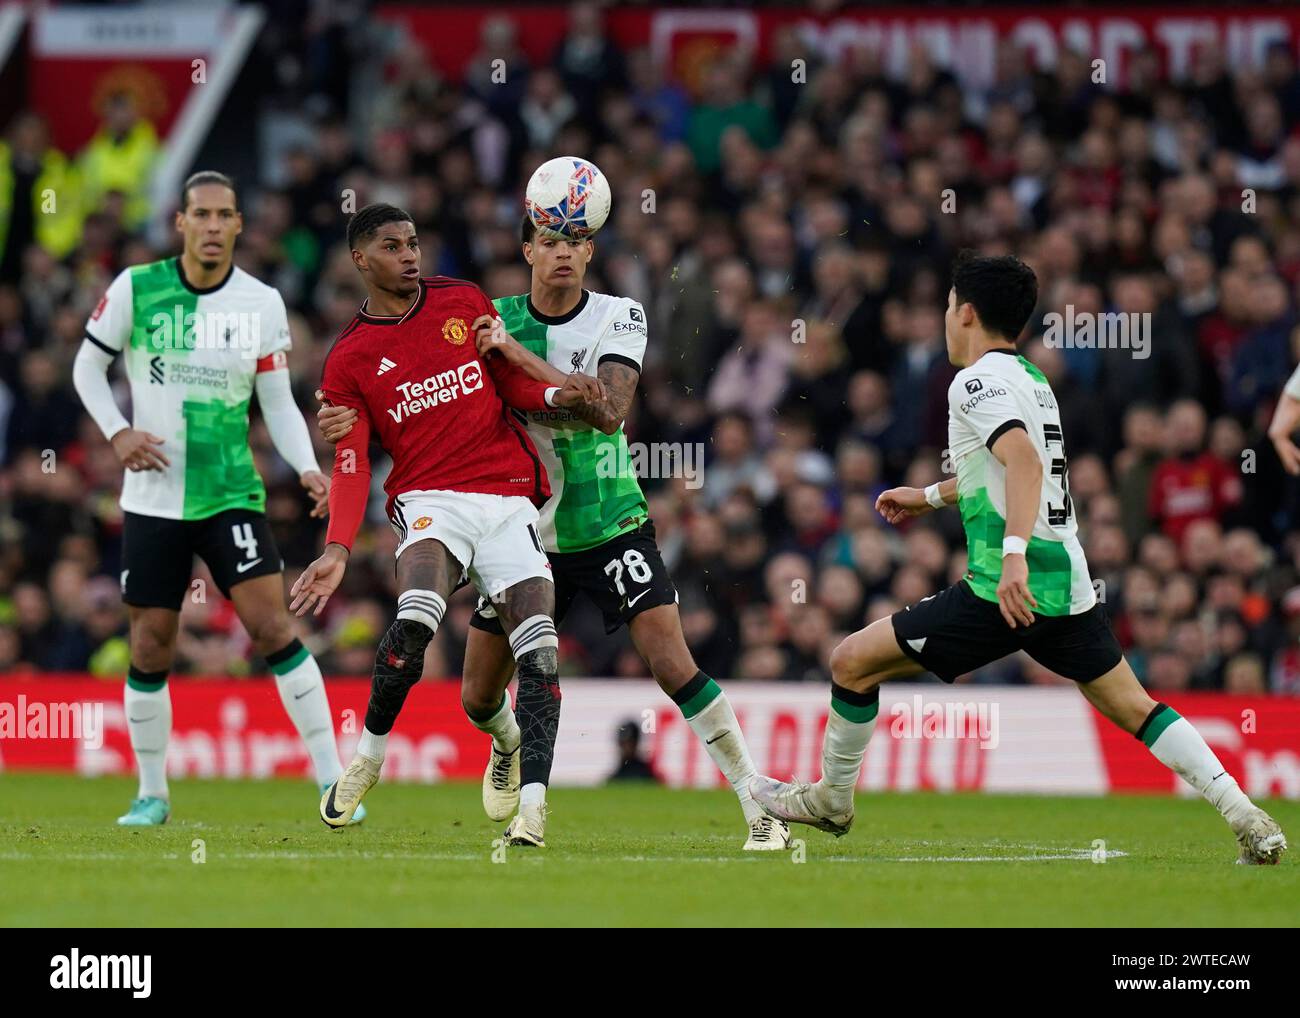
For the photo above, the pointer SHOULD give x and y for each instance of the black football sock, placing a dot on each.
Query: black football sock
(398, 665)
(537, 708)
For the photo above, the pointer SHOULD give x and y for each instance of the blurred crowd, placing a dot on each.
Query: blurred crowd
(790, 242)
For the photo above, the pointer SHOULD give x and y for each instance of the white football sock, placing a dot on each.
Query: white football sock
(302, 691)
(1179, 746)
(532, 794)
(372, 745)
(716, 726)
(149, 720)
(848, 730)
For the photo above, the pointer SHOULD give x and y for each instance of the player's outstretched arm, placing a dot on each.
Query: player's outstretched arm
(347, 501)
(348, 490)
(518, 390)
(1016, 452)
(492, 339)
(898, 504)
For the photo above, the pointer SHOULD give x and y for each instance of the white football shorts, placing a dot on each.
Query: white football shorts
(494, 537)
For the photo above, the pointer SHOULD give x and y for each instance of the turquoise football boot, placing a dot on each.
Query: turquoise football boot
(357, 817)
(147, 812)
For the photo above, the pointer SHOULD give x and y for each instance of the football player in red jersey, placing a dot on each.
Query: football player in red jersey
(462, 494)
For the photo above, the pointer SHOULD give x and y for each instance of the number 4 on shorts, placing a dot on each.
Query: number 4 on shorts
(242, 533)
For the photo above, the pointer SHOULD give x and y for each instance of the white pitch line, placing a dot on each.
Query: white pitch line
(1067, 855)
(217, 856)
(1081, 856)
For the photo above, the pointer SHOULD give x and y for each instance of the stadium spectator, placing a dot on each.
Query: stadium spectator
(631, 765)
(587, 59)
(119, 160)
(1190, 483)
(39, 196)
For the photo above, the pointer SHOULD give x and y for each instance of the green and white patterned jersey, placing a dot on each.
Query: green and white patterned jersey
(191, 359)
(594, 490)
(996, 393)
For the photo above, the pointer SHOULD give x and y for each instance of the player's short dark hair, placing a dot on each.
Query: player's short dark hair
(207, 177)
(1003, 291)
(367, 221)
(527, 229)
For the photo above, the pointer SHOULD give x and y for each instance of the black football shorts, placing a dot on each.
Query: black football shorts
(623, 577)
(158, 554)
(956, 631)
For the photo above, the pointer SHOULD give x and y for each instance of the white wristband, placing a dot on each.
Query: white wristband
(933, 497)
(550, 395)
(1014, 546)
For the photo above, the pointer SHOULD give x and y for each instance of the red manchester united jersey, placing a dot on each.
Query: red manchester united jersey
(435, 406)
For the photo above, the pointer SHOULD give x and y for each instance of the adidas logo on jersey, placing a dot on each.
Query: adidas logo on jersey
(385, 365)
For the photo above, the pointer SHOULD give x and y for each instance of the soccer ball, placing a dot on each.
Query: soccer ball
(568, 197)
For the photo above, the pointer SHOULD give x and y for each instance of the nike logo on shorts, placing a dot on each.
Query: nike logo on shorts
(244, 567)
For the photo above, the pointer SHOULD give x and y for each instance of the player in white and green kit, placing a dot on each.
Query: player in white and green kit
(1026, 587)
(595, 527)
(200, 337)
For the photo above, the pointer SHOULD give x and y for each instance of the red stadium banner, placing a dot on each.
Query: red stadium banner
(231, 729)
(80, 56)
(965, 41)
(1258, 741)
(928, 737)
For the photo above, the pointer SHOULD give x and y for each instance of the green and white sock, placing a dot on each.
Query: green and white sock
(302, 691)
(148, 704)
(708, 711)
(500, 724)
(849, 725)
(1176, 743)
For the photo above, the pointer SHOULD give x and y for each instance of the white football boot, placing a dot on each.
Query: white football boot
(528, 828)
(767, 834)
(798, 802)
(501, 784)
(1261, 839)
(343, 797)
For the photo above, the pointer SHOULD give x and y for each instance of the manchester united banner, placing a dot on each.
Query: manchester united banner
(81, 57)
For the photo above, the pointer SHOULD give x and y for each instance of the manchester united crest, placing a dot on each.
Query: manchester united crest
(455, 331)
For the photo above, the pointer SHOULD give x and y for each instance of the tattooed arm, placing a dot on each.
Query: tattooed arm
(620, 378)
(617, 373)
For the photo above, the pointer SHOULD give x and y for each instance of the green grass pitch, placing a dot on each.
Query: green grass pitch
(621, 856)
